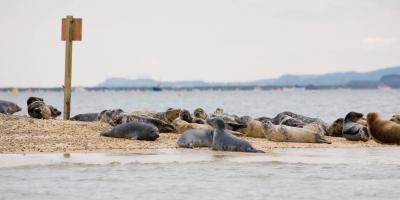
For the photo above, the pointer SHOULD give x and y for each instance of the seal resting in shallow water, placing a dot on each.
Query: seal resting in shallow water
(283, 133)
(86, 117)
(224, 141)
(196, 138)
(8, 108)
(352, 130)
(383, 131)
(133, 131)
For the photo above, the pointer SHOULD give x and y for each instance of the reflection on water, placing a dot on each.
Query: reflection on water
(344, 173)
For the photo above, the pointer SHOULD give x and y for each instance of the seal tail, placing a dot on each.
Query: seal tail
(258, 151)
(323, 140)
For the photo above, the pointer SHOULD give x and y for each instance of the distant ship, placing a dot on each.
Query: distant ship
(157, 88)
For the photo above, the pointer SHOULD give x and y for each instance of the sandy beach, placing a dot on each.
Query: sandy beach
(20, 134)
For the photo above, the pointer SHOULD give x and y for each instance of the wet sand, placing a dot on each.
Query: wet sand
(26, 135)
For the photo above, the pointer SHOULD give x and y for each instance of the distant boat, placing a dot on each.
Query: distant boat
(156, 89)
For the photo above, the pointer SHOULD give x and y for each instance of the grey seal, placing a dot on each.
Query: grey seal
(196, 138)
(336, 128)
(134, 131)
(224, 141)
(186, 116)
(352, 130)
(305, 119)
(8, 108)
(38, 109)
(231, 121)
(118, 116)
(200, 113)
(86, 117)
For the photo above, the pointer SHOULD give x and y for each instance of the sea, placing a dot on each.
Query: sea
(294, 173)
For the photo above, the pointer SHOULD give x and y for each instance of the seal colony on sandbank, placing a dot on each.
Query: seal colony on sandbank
(196, 127)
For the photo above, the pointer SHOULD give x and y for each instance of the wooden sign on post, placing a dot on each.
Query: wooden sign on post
(71, 29)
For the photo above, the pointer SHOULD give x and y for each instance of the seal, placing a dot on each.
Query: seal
(109, 116)
(254, 129)
(37, 108)
(383, 131)
(9, 108)
(352, 130)
(196, 138)
(186, 116)
(169, 115)
(283, 133)
(163, 127)
(284, 119)
(230, 121)
(183, 126)
(336, 128)
(86, 117)
(200, 113)
(305, 119)
(395, 118)
(54, 112)
(224, 141)
(133, 131)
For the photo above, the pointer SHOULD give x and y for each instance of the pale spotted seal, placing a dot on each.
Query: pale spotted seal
(182, 126)
(283, 133)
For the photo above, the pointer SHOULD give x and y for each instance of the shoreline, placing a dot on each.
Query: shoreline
(20, 134)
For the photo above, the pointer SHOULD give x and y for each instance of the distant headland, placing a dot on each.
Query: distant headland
(387, 77)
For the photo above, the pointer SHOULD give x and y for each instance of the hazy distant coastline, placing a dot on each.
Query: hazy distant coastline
(387, 77)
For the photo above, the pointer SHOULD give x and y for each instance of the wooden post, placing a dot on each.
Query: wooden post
(68, 67)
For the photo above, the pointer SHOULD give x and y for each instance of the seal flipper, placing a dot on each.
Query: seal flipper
(322, 140)
(259, 151)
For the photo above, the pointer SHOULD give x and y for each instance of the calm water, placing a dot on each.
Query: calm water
(202, 174)
(353, 173)
(326, 104)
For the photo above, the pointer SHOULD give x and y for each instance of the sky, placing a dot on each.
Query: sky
(210, 40)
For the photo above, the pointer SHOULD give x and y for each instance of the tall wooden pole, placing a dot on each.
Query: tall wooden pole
(68, 68)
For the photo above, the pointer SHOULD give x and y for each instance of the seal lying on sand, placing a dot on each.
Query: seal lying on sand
(182, 126)
(336, 128)
(200, 113)
(284, 119)
(168, 116)
(230, 120)
(162, 126)
(395, 118)
(87, 117)
(196, 138)
(109, 116)
(224, 141)
(383, 131)
(305, 119)
(37, 108)
(133, 131)
(352, 130)
(8, 108)
(254, 129)
(283, 133)
(186, 116)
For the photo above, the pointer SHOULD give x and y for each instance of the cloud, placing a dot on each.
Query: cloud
(379, 41)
